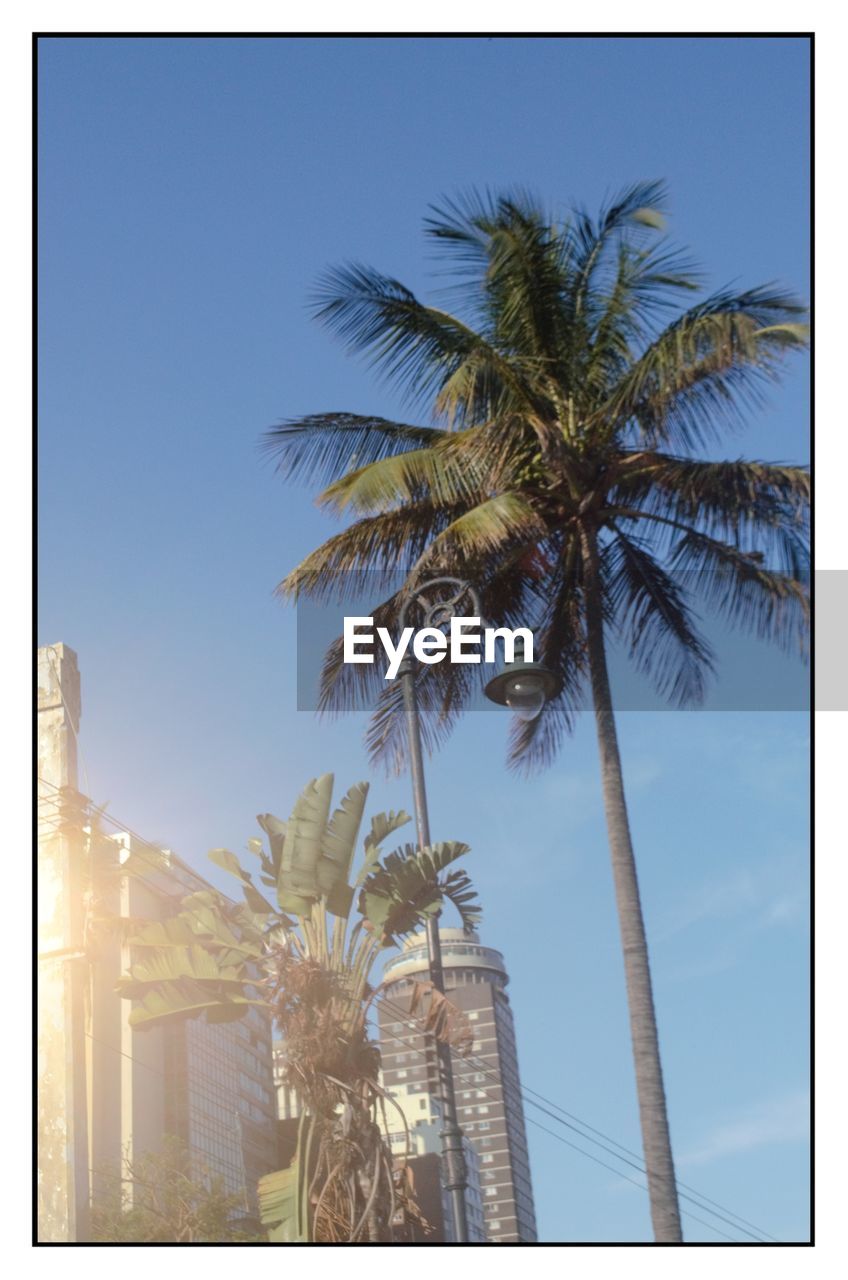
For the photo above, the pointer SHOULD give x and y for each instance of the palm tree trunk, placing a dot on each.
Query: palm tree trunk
(656, 1143)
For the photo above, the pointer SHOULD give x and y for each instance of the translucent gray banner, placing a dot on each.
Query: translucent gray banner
(749, 673)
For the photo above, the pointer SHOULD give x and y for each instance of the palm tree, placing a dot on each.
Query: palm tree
(571, 398)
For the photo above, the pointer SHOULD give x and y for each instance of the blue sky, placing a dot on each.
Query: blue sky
(191, 192)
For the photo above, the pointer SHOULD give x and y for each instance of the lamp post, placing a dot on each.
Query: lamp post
(524, 687)
(436, 614)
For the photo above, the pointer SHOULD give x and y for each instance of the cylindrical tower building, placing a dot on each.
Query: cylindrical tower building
(488, 1088)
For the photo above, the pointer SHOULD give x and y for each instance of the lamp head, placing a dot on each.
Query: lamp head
(524, 687)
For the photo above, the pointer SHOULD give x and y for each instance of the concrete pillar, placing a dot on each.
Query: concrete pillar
(62, 969)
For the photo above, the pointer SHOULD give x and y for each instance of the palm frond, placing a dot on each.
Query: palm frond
(637, 206)
(508, 520)
(407, 478)
(702, 370)
(322, 447)
(418, 347)
(646, 284)
(758, 506)
(445, 691)
(774, 606)
(527, 282)
(561, 644)
(467, 225)
(656, 621)
(370, 556)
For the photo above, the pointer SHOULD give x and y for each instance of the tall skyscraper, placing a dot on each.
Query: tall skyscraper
(488, 1088)
(210, 1084)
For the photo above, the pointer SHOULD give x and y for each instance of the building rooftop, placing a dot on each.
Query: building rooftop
(460, 950)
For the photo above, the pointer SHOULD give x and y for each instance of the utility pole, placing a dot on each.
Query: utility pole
(63, 1189)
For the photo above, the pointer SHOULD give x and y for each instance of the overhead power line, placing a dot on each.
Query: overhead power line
(474, 1063)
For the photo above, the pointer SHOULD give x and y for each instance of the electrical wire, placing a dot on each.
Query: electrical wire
(482, 1067)
(641, 1186)
(686, 1213)
(485, 1067)
(88, 808)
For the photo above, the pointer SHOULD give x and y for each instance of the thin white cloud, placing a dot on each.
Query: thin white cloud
(775, 1120)
(770, 893)
(641, 773)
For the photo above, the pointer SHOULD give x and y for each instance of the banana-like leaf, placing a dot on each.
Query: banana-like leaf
(170, 1001)
(339, 840)
(275, 830)
(382, 826)
(229, 862)
(408, 886)
(229, 1012)
(278, 1205)
(292, 902)
(205, 914)
(311, 857)
(185, 962)
(340, 899)
(174, 932)
(283, 1204)
(198, 962)
(304, 834)
(258, 903)
(376, 907)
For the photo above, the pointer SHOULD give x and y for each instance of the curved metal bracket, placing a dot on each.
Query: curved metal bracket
(438, 612)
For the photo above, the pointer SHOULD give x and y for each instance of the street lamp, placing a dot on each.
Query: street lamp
(436, 613)
(524, 687)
